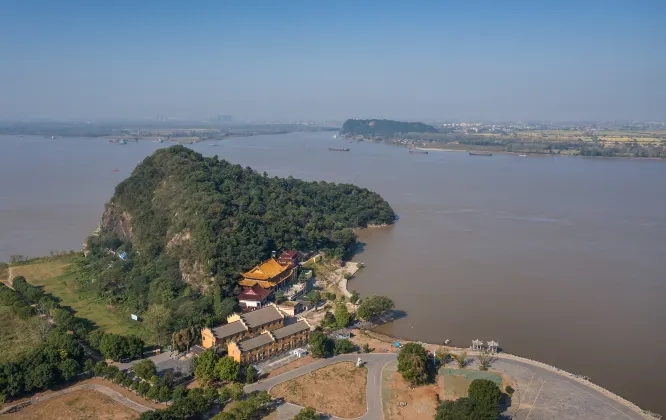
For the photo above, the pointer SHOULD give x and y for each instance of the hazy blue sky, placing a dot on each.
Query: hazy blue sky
(497, 59)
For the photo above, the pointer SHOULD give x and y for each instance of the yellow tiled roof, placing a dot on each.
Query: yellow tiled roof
(266, 270)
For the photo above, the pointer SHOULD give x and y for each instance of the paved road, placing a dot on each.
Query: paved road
(116, 396)
(541, 394)
(374, 362)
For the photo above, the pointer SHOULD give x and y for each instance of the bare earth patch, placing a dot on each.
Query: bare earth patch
(78, 405)
(421, 401)
(337, 389)
(305, 360)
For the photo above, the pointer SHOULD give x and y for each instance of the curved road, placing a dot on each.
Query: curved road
(541, 394)
(116, 396)
(374, 362)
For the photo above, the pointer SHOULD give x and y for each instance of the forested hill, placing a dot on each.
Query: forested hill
(181, 216)
(384, 127)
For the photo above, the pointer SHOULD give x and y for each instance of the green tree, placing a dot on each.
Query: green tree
(374, 306)
(89, 366)
(120, 377)
(179, 393)
(157, 320)
(153, 393)
(307, 413)
(237, 392)
(485, 359)
(485, 393)
(342, 316)
(100, 368)
(460, 409)
(250, 374)
(329, 320)
(343, 346)
(227, 369)
(320, 345)
(461, 359)
(205, 366)
(412, 363)
(354, 297)
(145, 369)
(68, 369)
(143, 388)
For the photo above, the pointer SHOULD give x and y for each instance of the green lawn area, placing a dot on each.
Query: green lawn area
(56, 277)
(17, 336)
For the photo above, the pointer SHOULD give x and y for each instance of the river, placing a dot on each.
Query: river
(559, 259)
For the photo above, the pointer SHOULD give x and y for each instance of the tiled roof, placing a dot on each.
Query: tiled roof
(227, 330)
(266, 270)
(262, 316)
(255, 293)
(253, 343)
(288, 254)
(292, 329)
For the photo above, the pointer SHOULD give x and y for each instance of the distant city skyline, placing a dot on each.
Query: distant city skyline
(278, 61)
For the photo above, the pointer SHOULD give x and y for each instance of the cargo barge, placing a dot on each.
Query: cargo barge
(480, 154)
(336, 149)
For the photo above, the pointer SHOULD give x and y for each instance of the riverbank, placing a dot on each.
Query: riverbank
(433, 348)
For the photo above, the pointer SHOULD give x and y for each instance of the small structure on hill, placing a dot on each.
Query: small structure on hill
(492, 346)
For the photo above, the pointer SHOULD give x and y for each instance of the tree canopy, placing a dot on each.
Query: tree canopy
(374, 306)
(412, 363)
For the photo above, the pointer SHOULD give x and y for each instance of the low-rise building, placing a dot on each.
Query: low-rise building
(270, 343)
(290, 307)
(241, 326)
(269, 274)
(254, 297)
(288, 258)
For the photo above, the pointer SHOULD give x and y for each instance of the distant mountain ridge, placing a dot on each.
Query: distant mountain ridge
(384, 127)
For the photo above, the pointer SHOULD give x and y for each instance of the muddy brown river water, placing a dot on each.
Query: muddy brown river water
(562, 260)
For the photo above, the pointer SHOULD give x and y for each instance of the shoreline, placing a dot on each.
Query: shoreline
(432, 347)
(390, 340)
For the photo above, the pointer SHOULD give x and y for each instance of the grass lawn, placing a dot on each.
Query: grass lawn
(55, 276)
(17, 336)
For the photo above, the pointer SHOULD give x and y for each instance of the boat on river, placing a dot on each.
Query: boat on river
(418, 151)
(480, 154)
(338, 149)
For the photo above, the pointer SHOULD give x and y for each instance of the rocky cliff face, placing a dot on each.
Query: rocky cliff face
(117, 221)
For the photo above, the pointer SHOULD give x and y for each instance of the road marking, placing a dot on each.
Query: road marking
(525, 393)
(535, 400)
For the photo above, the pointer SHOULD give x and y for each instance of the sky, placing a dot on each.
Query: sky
(304, 60)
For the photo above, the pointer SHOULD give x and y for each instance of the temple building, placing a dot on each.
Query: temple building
(241, 326)
(269, 274)
(254, 297)
(270, 343)
(288, 258)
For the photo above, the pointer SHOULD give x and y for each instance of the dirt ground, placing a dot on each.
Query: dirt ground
(376, 342)
(305, 360)
(421, 401)
(78, 405)
(125, 392)
(337, 389)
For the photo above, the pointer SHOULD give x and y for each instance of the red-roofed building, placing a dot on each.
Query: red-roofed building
(288, 258)
(254, 297)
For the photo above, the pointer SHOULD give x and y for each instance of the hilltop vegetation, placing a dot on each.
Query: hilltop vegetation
(190, 225)
(384, 127)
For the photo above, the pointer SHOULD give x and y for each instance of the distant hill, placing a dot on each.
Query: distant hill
(384, 127)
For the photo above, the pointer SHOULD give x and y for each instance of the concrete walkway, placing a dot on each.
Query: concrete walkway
(116, 396)
(374, 362)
